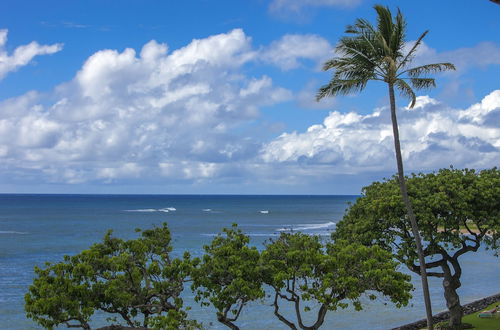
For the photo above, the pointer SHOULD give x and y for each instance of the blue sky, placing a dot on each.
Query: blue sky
(218, 96)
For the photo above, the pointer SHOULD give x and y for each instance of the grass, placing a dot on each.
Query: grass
(479, 323)
(483, 323)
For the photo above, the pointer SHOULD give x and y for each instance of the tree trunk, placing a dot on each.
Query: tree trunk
(277, 313)
(409, 208)
(228, 323)
(321, 318)
(450, 285)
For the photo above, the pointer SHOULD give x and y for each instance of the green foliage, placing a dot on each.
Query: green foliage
(136, 280)
(175, 319)
(60, 295)
(228, 276)
(370, 52)
(454, 208)
(457, 212)
(304, 272)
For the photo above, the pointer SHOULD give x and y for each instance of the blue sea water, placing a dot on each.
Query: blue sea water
(39, 228)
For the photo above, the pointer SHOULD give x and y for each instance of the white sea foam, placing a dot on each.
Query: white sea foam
(249, 234)
(309, 226)
(13, 232)
(263, 234)
(210, 211)
(141, 210)
(264, 211)
(166, 210)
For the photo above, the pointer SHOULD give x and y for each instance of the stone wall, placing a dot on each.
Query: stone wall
(468, 309)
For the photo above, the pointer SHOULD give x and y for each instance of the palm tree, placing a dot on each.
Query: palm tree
(368, 53)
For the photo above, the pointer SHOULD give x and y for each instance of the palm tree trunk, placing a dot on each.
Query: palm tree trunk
(409, 208)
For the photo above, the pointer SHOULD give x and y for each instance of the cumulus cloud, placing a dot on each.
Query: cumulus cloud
(287, 52)
(433, 135)
(149, 114)
(22, 55)
(189, 115)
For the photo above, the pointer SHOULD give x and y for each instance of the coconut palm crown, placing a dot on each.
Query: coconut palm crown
(368, 53)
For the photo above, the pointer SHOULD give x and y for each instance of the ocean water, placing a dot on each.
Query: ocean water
(39, 228)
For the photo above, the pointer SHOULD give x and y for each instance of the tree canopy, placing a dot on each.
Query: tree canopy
(135, 280)
(457, 212)
(304, 272)
(229, 275)
(139, 285)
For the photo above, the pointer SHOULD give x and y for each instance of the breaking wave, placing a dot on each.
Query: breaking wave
(13, 232)
(165, 210)
(309, 226)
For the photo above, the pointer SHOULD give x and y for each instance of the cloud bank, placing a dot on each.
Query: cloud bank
(433, 135)
(193, 115)
(129, 115)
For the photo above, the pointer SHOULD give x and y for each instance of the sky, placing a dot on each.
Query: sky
(218, 97)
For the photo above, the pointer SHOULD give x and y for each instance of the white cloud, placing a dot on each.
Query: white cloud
(144, 110)
(433, 135)
(190, 115)
(295, 6)
(22, 55)
(120, 171)
(287, 52)
(480, 55)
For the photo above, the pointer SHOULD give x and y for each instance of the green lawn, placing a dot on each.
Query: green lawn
(483, 323)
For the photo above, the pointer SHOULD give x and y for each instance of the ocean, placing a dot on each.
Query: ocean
(39, 228)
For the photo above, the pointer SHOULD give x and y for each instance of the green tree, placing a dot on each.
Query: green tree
(136, 280)
(56, 296)
(378, 53)
(228, 276)
(458, 210)
(301, 271)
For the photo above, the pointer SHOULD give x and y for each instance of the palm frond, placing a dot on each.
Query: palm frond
(341, 87)
(399, 35)
(406, 91)
(429, 68)
(369, 52)
(422, 83)
(349, 68)
(384, 22)
(361, 56)
(360, 26)
(412, 51)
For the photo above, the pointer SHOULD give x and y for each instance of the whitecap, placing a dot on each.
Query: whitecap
(142, 210)
(13, 232)
(207, 210)
(264, 211)
(309, 226)
(248, 234)
(263, 234)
